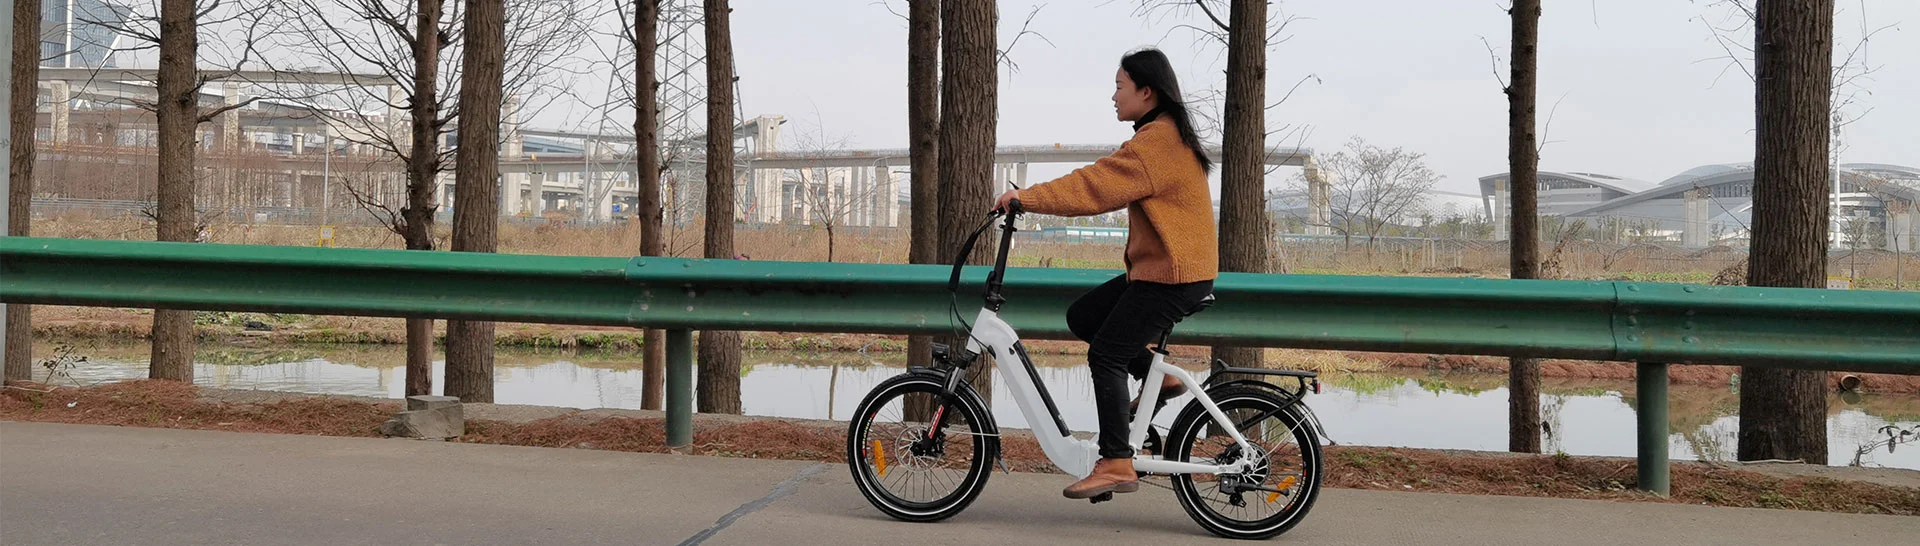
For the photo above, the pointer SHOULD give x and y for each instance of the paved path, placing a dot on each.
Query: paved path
(80, 484)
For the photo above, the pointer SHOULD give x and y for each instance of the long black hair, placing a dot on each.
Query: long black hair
(1149, 68)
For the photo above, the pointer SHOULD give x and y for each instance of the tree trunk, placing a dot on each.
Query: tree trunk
(719, 382)
(968, 104)
(423, 168)
(419, 377)
(923, 133)
(1243, 216)
(1523, 157)
(646, 130)
(829, 243)
(477, 173)
(26, 74)
(176, 117)
(1783, 412)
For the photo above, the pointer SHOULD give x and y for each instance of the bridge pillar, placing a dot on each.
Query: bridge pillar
(510, 194)
(510, 183)
(230, 121)
(537, 193)
(62, 99)
(863, 197)
(1319, 201)
(889, 198)
(1651, 390)
(1694, 233)
(769, 199)
(679, 389)
(399, 121)
(603, 203)
(1502, 207)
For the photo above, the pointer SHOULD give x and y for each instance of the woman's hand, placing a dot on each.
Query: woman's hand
(1000, 205)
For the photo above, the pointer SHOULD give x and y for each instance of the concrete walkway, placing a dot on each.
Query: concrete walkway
(81, 484)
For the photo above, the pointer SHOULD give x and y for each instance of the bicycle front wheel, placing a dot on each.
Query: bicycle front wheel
(910, 467)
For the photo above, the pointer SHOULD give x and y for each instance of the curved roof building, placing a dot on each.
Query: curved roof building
(1713, 204)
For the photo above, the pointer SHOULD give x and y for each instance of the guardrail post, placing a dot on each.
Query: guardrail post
(1651, 390)
(679, 388)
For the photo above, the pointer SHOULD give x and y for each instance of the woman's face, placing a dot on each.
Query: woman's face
(1130, 101)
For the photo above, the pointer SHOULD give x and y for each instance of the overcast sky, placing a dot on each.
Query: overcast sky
(1633, 88)
(1639, 93)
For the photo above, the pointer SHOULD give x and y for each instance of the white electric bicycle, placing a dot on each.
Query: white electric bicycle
(1243, 455)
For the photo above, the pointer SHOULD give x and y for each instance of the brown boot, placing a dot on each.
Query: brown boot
(1169, 388)
(1108, 476)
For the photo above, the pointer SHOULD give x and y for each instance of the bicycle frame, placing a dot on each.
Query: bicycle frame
(1076, 456)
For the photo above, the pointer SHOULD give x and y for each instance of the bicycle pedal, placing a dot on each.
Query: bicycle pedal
(1100, 498)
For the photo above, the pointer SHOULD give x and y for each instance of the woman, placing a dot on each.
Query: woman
(1160, 177)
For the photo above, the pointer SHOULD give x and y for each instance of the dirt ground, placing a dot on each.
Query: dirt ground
(175, 405)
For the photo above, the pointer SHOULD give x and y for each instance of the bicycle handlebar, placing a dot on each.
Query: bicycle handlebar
(993, 297)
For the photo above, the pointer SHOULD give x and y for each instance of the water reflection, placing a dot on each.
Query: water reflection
(1408, 408)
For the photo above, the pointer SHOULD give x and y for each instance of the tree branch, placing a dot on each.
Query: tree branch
(1494, 58)
(1006, 55)
(1209, 11)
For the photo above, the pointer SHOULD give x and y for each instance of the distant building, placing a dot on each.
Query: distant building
(79, 33)
(1713, 204)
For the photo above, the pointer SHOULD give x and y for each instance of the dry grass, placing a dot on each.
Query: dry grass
(1320, 361)
(1577, 260)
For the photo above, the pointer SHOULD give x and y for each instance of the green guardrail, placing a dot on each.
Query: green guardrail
(1650, 323)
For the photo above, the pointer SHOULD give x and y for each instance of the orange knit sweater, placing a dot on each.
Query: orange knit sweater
(1170, 228)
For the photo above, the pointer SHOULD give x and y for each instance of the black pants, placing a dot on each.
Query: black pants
(1118, 321)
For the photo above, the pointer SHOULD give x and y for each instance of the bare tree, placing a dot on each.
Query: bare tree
(1243, 215)
(719, 382)
(923, 134)
(476, 209)
(178, 104)
(18, 358)
(1244, 36)
(174, 29)
(1371, 188)
(412, 43)
(968, 106)
(1783, 412)
(405, 41)
(1523, 157)
(644, 39)
(828, 201)
(424, 161)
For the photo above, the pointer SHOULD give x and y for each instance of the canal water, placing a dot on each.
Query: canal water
(1401, 408)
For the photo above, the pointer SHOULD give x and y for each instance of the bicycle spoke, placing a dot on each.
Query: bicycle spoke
(1273, 443)
(919, 468)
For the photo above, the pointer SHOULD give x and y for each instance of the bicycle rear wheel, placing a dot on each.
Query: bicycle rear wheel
(1284, 482)
(915, 470)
